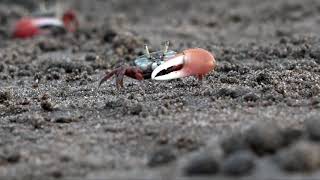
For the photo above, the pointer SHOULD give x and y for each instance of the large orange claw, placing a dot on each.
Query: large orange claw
(194, 62)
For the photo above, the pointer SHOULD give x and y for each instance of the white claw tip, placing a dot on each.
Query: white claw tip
(178, 60)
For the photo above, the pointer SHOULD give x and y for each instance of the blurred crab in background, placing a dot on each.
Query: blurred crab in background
(46, 22)
(165, 65)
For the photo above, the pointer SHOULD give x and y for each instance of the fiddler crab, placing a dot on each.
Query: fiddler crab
(45, 23)
(165, 65)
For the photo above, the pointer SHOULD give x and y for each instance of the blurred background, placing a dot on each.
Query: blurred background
(217, 21)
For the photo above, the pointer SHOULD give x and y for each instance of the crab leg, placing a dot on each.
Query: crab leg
(147, 51)
(119, 78)
(195, 62)
(120, 72)
(107, 76)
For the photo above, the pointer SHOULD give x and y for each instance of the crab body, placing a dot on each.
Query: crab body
(148, 64)
(165, 65)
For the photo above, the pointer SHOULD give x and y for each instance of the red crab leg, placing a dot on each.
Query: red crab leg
(107, 76)
(120, 72)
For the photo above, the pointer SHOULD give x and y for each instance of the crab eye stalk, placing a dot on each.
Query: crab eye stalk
(147, 53)
(59, 8)
(43, 6)
(166, 47)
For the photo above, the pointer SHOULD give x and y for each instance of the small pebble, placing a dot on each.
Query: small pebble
(56, 173)
(13, 157)
(202, 164)
(239, 164)
(299, 157)
(161, 156)
(315, 53)
(312, 126)
(291, 135)
(4, 96)
(264, 78)
(91, 57)
(65, 120)
(251, 97)
(109, 35)
(135, 109)
(37, 121)
(45, 96)
(232, 143)
(187, 143)
(114, 104)
(47, 105)
(232, 92)
(50, 45)
(10, 156)
(264, 138)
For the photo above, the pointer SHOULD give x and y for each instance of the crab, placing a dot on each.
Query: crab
(165, 65)
(45, 23)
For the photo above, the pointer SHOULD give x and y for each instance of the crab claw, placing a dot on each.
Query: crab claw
(191, 62)
(30, 26)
